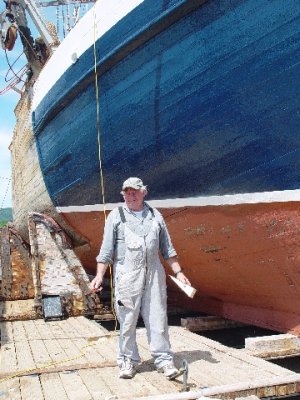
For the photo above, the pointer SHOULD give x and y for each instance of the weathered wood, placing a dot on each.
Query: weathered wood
(81, 351)
(74, 386)
(198, 324)
(6, 282)
(57, 271)
(230, 390)
(10, 390)
(16, 280)
(97, 387)
(251, 397)
(18, 310)
(59, 368)
(53, 388)
(104, 317)
(274, 346)
(31, 389)
(210, 361)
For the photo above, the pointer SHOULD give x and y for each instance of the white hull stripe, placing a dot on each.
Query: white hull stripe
(235, 199)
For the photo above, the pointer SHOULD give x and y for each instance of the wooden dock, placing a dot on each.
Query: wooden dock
(74, 359)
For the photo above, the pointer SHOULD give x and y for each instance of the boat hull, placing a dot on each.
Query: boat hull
(243, 259)
(196, 99)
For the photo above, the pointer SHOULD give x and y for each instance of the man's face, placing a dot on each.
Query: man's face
(134, 198)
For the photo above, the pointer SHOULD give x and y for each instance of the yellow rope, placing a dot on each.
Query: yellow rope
(47, 365)
(99, 154)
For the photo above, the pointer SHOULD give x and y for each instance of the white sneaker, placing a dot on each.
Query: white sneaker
(170, 371)
(127, 369)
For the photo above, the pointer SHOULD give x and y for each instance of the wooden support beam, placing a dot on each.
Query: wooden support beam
(17, 310)
(104, 317)
(199, 324)
(274, 346)
(57, 271)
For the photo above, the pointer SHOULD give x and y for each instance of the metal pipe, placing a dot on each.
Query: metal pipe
(231, 388)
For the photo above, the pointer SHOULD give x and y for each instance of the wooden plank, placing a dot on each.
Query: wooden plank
(31, 388)
(8, 358)
(56, 329)
(97, 387)
(274, 346)
(107, 347)
(10, 389)
(30, 330)
(40, 353)
(25, 359)
(95, 372)
(249, 388)
(93, 327)
(238, 356)
(75, 386)
(207, 365)
(18, 310)
(91, 354)
(83, 329)
(6, 332)
(145, 381)
(58, 354)
(198, 324)
(43, 329)
(111, 379)
(75, 354)
(52, 387)
(49, 369)
(19, 331)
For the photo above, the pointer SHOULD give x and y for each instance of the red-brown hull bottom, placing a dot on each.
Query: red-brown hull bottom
(244, 260)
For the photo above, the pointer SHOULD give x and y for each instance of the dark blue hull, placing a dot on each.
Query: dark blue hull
(205, 102)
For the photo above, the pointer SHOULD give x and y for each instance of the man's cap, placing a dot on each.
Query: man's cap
(134, 183)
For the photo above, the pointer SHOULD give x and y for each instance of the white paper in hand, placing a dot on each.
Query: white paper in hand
(188, 290)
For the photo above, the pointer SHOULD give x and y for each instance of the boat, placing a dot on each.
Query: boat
(200, 99)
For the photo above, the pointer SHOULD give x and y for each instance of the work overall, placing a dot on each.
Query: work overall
(140, 287)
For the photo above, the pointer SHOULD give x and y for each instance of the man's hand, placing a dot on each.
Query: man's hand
(96, 284)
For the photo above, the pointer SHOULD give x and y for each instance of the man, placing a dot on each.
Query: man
(134, 235)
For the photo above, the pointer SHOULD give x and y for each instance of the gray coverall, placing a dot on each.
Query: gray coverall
(139, 279)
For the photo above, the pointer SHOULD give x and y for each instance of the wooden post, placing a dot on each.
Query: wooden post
(199, 324)
(56, 269)
(274, 346)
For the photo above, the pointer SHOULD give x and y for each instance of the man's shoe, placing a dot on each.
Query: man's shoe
(170, 371)
(127, 369)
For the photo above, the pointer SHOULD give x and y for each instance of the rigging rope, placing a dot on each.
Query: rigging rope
(17, 76)
(5, 194)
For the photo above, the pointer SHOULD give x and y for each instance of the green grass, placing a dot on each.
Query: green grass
(5, 216)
